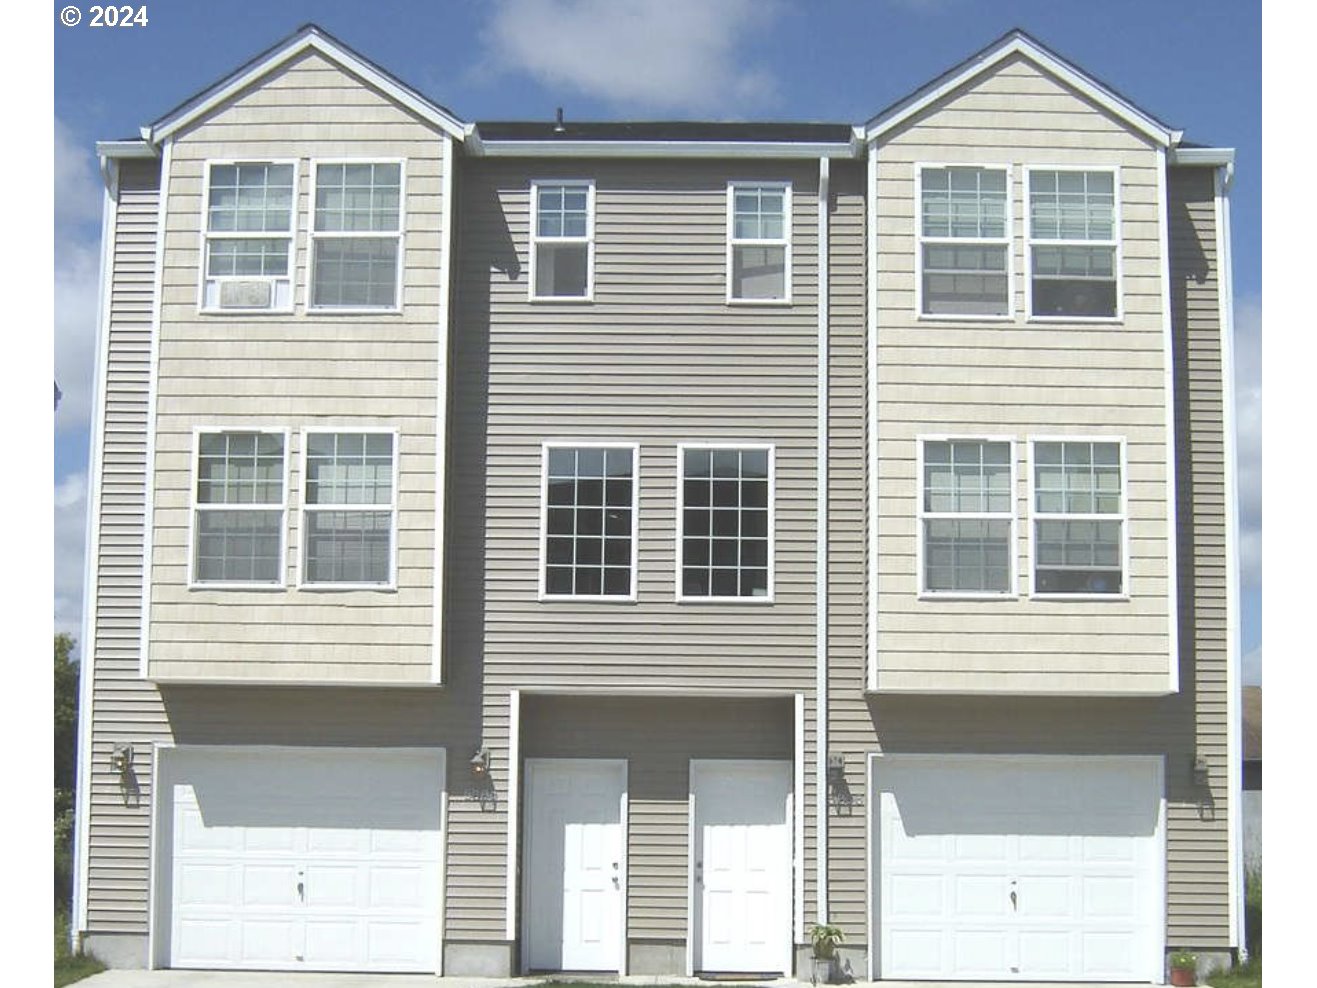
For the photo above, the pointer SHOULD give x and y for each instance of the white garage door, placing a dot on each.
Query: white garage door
(1025, 868)
(322, 859)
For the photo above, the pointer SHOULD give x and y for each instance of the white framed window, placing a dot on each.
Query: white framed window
(356, 236)
(963, 259)
(759, 242)
(966, 517)
(589, 504)
(349, 524)
(562, 240)
(726, 521)
(1073, 250)
(247, 239)
(1079, 538)
(239, 498)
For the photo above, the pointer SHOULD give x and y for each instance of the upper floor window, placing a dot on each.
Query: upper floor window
(562, 240)
(238, 521)
(349, 509)
(759, 242)
(356, 236)
(966, 516)
(1072, 244)
(964, 242)
(1079, 518)
(725, 542)
(589, 536)
(249, 236)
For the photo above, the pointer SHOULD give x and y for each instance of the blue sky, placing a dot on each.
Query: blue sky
(834, 60)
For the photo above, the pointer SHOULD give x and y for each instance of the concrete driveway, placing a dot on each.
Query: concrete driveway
(277, 979)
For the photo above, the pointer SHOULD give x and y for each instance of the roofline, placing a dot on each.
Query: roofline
(1017, 42)
(1206, 157)
(307, 37)
(126, 149)
(667, 149)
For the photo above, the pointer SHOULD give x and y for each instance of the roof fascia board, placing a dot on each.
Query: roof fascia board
(1202, 157)
(1017, 45)
(126, 149)
(665, 149)
(211, 98)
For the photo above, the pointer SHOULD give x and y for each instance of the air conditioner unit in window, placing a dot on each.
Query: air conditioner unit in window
(246, 294)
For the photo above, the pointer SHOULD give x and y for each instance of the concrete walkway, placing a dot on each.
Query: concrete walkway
(277, 979)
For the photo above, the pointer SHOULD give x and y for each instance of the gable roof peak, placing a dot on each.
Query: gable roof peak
(1018, 41)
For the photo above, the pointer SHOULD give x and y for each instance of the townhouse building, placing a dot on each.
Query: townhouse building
(618, 547)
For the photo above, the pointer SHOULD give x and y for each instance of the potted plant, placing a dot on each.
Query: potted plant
(824, 940)
(1184, 968)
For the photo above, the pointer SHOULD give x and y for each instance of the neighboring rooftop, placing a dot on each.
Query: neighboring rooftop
(663, 130)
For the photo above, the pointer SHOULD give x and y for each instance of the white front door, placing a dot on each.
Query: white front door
(575, 869)
(1018, 868)
(303, 859)
(741, 847)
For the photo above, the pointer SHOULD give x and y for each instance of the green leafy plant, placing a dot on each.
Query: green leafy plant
(825, 939)
(1184, 960)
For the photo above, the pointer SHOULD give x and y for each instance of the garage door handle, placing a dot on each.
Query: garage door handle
(1014, 905)
(301, 891)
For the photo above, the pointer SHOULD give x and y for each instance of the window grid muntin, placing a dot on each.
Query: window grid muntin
(589, 521)
(725, 536)
(1097, 468)
(371, 294)
(378, 183)
(991, 233)
(566, 244)
(757, 234)
(230, 469)
(276, 197)
(1042, 245)
(280, 279)
(967, 490)
(337, 463)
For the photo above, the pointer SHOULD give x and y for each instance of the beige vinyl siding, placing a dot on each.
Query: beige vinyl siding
(1026, 380)
(658, 737)
(124, 709)
(298, 370)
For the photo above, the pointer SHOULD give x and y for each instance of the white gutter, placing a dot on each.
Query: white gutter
(1234, 770)
(1210, 157)
(664, 149)
(124, 149)
(91, 571)
(821, 558)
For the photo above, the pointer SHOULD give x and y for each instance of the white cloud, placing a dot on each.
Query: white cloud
(1252, 667)
(70, 531)
(77, 272)
(1248, 435)
(649, 55)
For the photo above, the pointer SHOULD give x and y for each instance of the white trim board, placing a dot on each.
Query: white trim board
(441, 414)
(1171, 440)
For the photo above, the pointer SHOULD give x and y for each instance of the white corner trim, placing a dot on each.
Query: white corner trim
(1168, 384)
(1234, 644)
(821, 557)
(91, 569)
(514, 811)
(871, 398)
(441, 416)
(798, 824)
(152, 397)
(309, 39)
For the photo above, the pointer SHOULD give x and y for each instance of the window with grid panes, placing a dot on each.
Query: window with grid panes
(964, 247)
(348, 509)
(1078, 518)
(1072, 243)
(966, 516)
(249, 236)
(589, 521)
(726, 536)
(759, 243)
(356, 235)
(561, 240)
(239, 509)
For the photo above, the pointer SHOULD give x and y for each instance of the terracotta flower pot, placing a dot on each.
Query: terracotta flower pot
(1183, 976)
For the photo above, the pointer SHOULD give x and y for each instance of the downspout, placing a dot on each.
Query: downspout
(821, 558)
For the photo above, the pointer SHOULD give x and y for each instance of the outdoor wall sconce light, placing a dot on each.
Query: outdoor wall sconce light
(836, 771)
(1201, 772)
(480, 763)
(121, 759)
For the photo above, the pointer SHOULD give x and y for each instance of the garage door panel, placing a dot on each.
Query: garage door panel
(287, 876)
(1046, 885)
